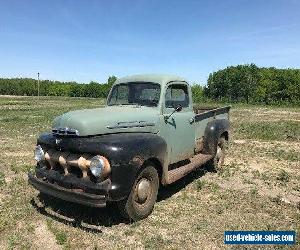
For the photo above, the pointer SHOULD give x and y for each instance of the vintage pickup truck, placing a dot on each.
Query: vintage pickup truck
(147, 135)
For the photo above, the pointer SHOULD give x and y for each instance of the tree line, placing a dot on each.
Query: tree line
(251, 84)
(29, 87)
(243, 83)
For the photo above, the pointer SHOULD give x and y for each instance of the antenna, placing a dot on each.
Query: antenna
(38, 85)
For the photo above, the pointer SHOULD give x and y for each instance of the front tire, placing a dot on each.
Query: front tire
(140, 202)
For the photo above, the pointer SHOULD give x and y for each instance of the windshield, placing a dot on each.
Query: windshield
(137, 93)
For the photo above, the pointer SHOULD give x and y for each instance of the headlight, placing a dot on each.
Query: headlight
(39, 154)
(99, 166)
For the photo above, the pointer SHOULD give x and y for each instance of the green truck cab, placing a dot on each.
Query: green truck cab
(147, 135)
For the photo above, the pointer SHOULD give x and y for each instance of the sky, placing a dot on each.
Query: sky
(89, 40)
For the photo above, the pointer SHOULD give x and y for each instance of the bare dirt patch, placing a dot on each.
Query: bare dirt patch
(18, 154)
(44, 239)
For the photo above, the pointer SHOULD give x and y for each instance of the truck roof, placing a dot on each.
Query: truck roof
(161, 79)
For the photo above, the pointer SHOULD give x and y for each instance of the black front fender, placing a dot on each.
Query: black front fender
(126, 153)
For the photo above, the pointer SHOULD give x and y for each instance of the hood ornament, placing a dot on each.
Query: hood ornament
(65, 131)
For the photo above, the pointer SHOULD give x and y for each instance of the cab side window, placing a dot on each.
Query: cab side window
(177, 94)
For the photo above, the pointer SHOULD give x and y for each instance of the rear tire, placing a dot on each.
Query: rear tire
(140, 202)
(218, 161)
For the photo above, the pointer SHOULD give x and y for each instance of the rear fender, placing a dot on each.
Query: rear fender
(212, 133)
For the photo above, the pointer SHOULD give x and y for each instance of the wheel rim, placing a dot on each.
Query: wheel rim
(143, 191)
(219, 153)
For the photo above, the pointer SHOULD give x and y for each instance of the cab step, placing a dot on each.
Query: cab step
(195, 162)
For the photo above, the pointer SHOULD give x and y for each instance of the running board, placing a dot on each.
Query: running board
(195, 162)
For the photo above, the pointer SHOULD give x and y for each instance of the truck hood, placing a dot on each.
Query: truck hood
(110, 119)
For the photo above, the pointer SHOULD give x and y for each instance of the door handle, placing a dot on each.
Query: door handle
(191, 120)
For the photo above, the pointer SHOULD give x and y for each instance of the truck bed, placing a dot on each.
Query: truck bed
(203, 115)
(206, 112)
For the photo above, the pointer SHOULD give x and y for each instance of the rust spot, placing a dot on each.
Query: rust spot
(198, 145)
(184, 156)
(137, 161)
(179, 172)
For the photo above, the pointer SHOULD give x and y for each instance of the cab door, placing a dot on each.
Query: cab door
(179, 130)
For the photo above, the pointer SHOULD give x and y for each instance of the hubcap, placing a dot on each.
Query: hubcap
(143, 188)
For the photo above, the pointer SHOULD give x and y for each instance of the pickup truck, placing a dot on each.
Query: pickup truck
(147, 135)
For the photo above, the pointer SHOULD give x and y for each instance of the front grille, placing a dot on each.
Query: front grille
(66, 163)
(75, 171)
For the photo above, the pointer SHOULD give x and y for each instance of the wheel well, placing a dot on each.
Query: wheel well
(157, 164)
(225, 135)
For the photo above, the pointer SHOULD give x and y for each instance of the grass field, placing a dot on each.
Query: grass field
(258, 188)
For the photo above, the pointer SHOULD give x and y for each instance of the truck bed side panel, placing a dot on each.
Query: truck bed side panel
(202, 119)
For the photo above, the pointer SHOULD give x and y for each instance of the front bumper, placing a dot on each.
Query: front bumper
(72, 194)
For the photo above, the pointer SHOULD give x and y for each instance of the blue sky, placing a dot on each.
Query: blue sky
(90, 40)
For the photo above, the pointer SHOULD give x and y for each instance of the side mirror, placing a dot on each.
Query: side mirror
(177, 109)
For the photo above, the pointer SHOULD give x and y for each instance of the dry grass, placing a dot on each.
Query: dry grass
(257, 189)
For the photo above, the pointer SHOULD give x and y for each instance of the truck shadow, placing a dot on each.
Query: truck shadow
(93, 219)
(86, 218)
